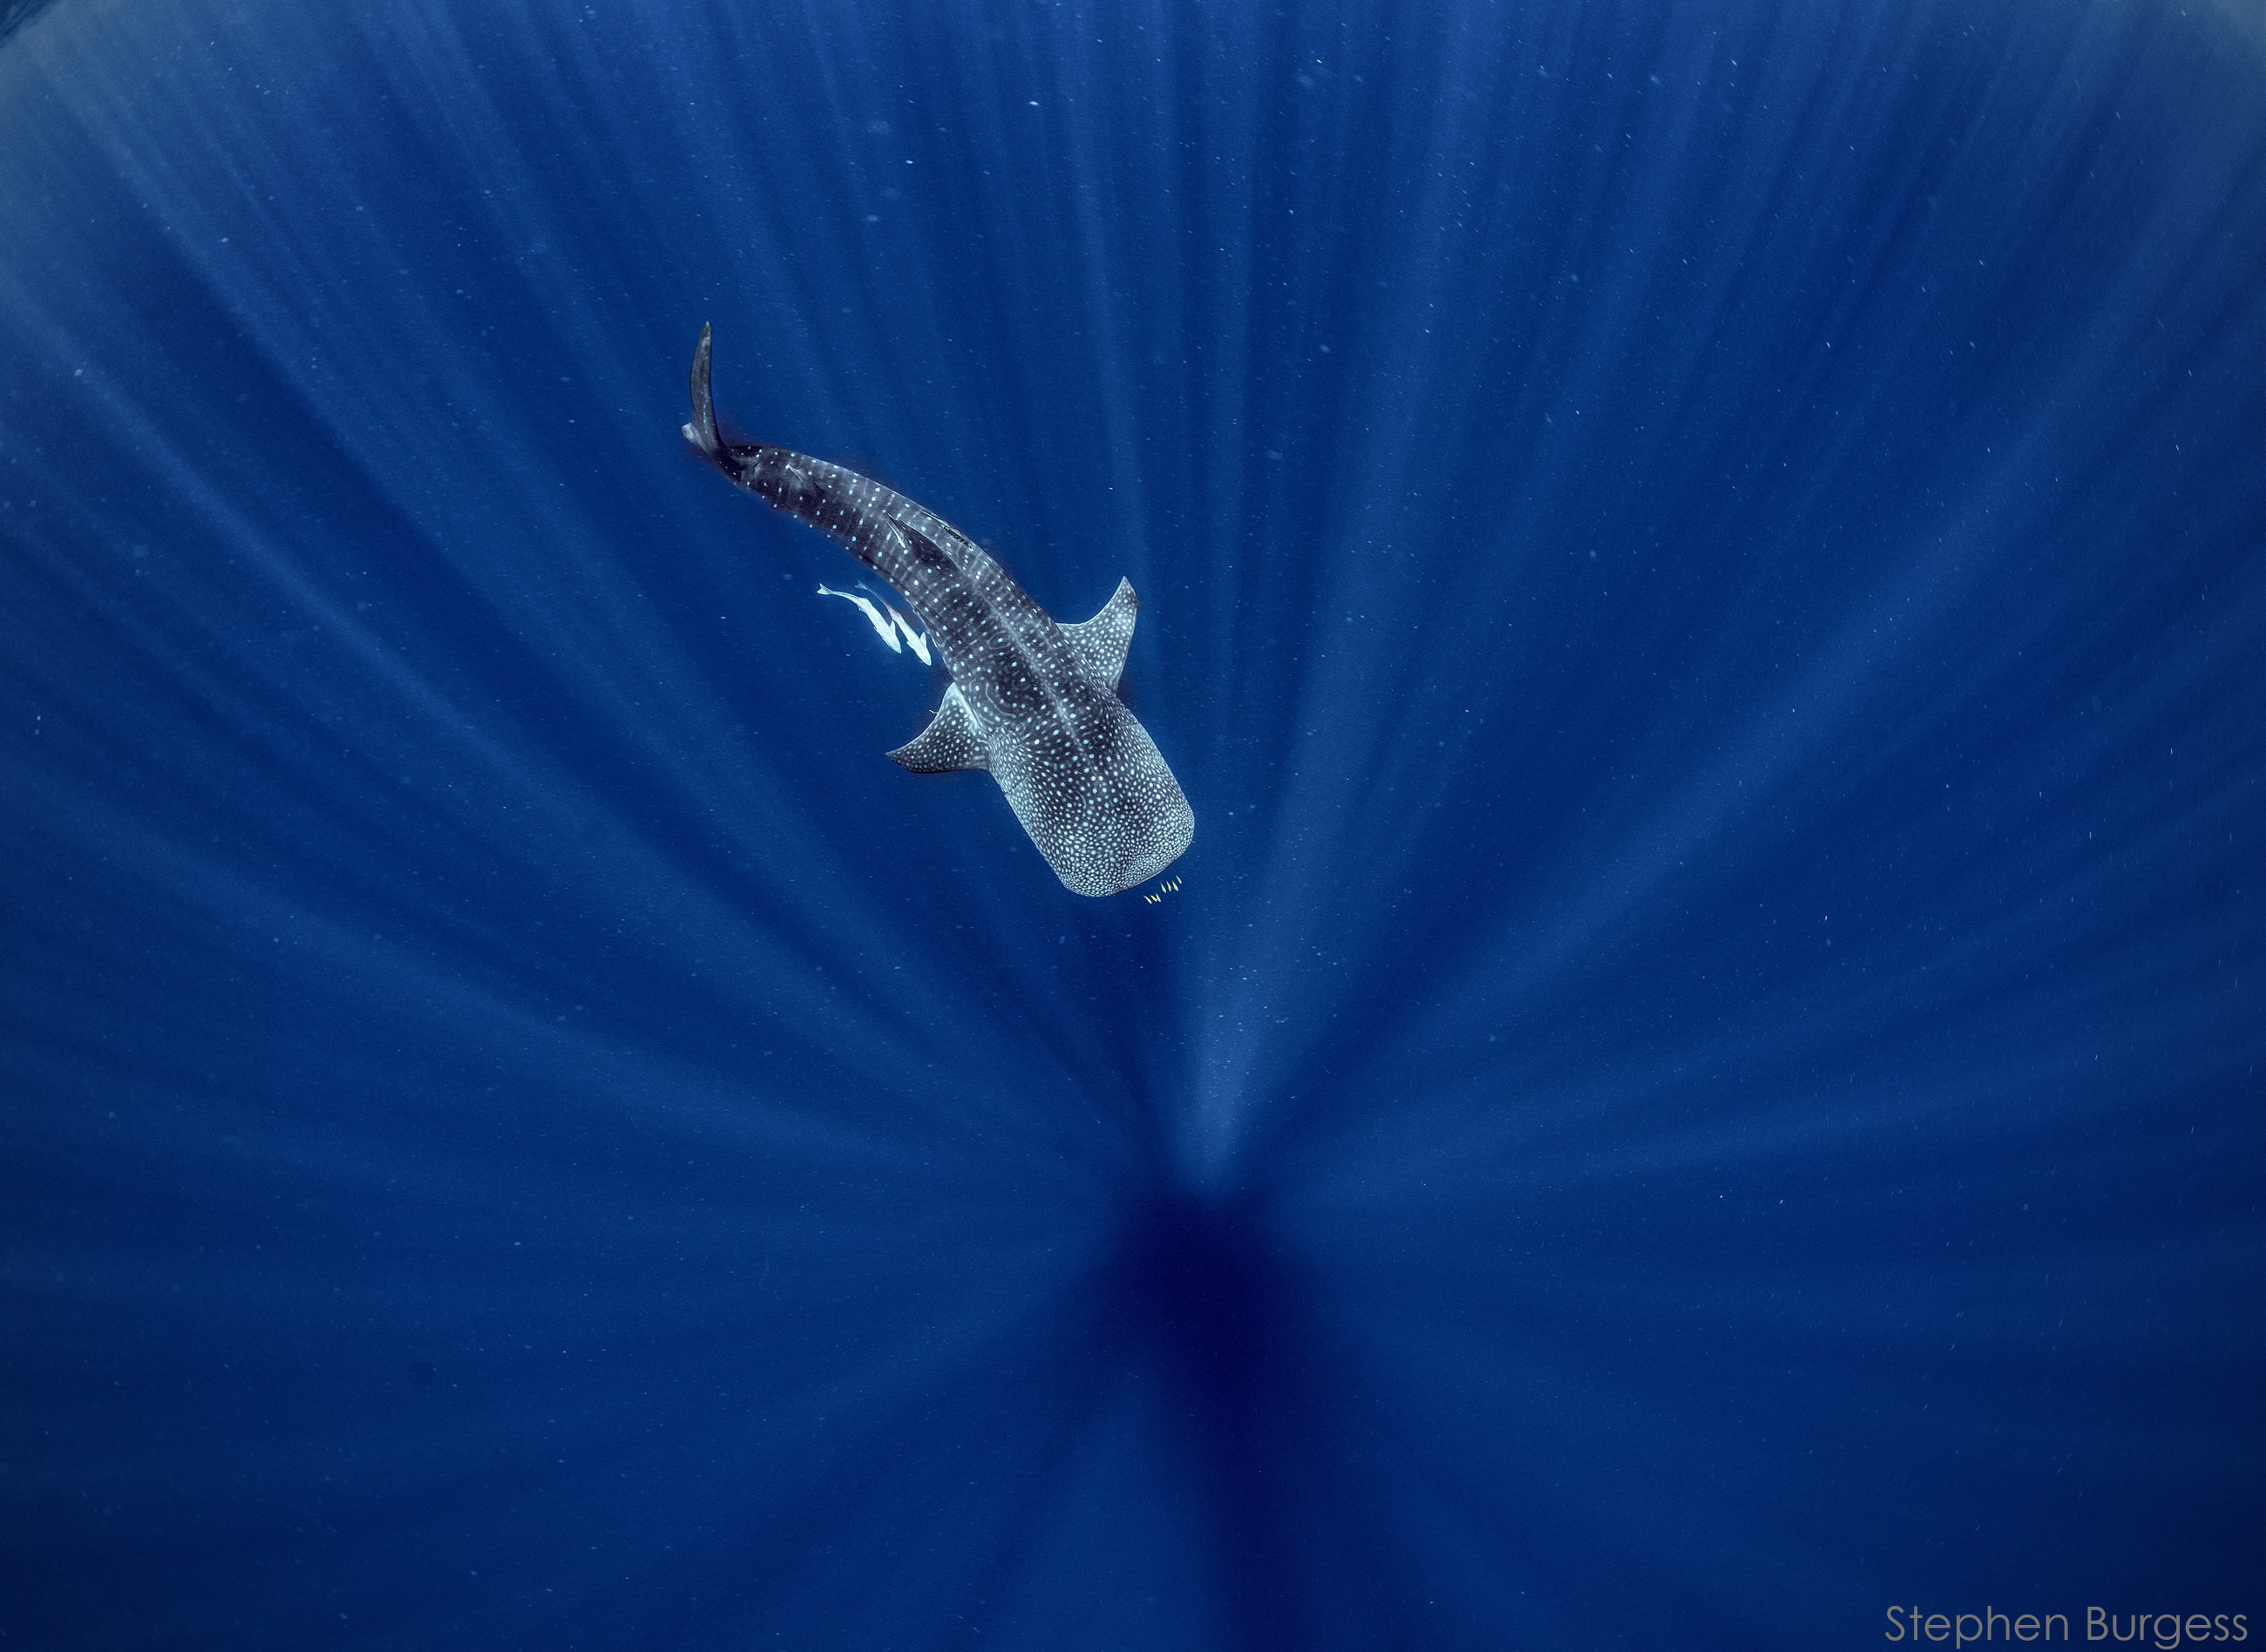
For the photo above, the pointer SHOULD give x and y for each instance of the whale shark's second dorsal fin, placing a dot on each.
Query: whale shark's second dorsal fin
(952, 741)
(1100, 642)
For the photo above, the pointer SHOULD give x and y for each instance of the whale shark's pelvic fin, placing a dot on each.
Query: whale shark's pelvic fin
(952, 741)
(1100, 642)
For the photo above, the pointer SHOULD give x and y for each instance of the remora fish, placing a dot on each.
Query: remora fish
(1032, 701)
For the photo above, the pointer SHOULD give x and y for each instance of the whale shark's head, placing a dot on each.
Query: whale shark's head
(1106, 839)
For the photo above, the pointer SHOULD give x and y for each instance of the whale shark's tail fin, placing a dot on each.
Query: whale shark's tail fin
(701, 433)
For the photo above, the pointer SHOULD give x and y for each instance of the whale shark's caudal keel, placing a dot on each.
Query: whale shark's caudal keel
(1032, 701)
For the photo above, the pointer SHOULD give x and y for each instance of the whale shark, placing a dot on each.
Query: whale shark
(1032, 701)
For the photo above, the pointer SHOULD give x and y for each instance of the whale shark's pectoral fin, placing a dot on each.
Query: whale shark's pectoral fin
(952, 741)
(1100, 642)
(701, 433)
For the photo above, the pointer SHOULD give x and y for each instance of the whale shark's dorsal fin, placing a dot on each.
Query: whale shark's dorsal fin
(952, 741)
(1100, 642)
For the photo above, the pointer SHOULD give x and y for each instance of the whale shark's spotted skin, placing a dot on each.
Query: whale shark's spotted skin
(1032, 701)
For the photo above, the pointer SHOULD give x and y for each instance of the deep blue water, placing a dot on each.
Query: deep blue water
(1703, 567)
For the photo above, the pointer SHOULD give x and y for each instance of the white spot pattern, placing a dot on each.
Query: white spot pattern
(1037, 701)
